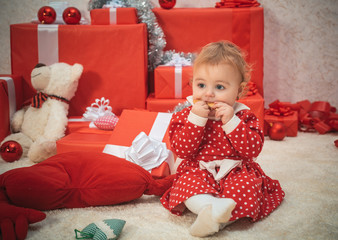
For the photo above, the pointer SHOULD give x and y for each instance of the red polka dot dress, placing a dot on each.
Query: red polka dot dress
(195, 139)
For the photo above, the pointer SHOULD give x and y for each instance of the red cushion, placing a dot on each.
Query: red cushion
(79, 179)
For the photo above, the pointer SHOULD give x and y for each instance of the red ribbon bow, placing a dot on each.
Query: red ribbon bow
(237, 3)
(251, 88)
(318, 116)
(281, 109)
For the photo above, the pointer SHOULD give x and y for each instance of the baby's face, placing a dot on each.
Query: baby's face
(216, 83)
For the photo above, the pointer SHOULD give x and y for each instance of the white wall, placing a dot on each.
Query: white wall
(300, 46)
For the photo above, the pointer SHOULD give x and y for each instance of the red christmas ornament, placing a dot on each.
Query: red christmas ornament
(71, 15)
(11, 151)
(46, 15)
(277, 131)
(167, 4)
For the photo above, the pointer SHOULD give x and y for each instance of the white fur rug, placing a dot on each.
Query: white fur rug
(306, 166)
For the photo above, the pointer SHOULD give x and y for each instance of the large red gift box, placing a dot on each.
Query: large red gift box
(173, 81)
(189, 29)
(114, 60)
(10, 101)
(109, 16)
(290, 122)
(131, 124)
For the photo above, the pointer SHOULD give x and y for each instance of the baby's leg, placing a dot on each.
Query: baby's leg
(212, 213)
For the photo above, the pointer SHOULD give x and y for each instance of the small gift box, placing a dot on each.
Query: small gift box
(112, 16)
(172, 80)
(281, 112)
(141, 137)
(10, 101)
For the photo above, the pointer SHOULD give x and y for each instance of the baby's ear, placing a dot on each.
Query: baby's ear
(241, 89)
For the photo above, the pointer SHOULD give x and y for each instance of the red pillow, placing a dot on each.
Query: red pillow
(79, 179)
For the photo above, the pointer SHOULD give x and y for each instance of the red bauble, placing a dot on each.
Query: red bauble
(11, 151)
(167, 4)
(277, 131)
(46, 15)
(71, 15)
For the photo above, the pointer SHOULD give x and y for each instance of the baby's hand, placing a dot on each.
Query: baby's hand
(201, 109)
(223, 111)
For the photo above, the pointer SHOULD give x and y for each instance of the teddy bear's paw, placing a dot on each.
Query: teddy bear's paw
(22, 139)
(41, 151)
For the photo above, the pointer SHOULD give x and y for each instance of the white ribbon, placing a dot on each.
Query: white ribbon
(225, 166)
(59, 7)
(147, 151)
(112, 16)
(177, 60)
(48, 43)
(178, 81)
(11, 96)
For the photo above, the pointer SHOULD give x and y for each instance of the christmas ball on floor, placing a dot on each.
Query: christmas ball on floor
(277, 131)
(11, 151)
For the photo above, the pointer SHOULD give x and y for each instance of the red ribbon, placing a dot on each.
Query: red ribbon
(318, 116)
(251, 88)
(237, 3)
(281, 109)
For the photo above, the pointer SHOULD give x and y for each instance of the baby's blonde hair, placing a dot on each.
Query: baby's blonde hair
(225, 52)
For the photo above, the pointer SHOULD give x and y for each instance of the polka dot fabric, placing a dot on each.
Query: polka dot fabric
(106, 122)
(256, 194)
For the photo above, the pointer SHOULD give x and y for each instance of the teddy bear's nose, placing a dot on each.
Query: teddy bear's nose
(40, 65)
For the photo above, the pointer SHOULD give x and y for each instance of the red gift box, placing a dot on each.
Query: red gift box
(110, 16)
(10, 101)
(189, 29)
(256, 104)
(114, 60)
(173, 82)
(290, 122)
(131, 124)
(83, 141)
(162, 105)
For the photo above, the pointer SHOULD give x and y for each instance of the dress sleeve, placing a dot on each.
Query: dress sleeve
(245, 134)
(186, 133)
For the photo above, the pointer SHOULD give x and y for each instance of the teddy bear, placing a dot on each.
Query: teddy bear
(38, 126)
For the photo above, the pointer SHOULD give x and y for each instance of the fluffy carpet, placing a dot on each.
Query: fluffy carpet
(306, 166)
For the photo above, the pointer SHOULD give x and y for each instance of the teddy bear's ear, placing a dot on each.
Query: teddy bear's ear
(77, 70)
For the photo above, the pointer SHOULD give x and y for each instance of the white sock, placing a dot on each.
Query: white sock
(221, 207)
(204, 225)
(212, 213)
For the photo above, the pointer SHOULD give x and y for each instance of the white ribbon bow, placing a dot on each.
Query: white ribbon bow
(99, 108)
(177, 60)
(147, 152)
(225, 166)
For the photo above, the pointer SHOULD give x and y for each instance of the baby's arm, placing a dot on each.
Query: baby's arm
(245, 134)
(186, 131)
